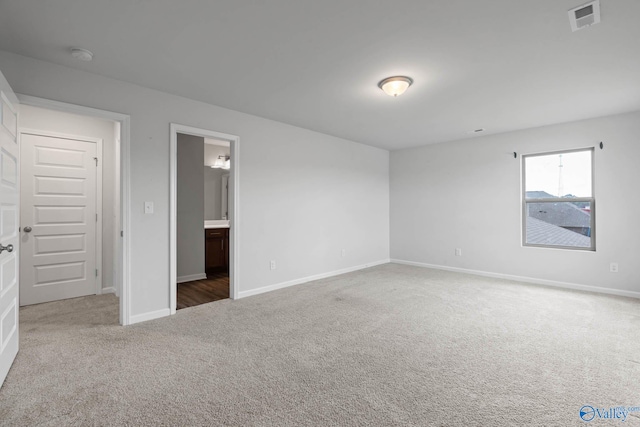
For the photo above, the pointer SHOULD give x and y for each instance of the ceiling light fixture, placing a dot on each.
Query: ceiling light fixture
(82, 54)
(396, 85)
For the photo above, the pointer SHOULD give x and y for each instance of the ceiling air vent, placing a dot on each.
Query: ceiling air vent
(585, 15)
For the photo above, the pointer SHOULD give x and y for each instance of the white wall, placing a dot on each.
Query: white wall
(304, 196)
(190, 208)
(467, 194)
(71, 124)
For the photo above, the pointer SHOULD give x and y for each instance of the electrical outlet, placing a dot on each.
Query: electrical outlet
(344, 253)
(458, 252)
(272, 265)
(613, 267)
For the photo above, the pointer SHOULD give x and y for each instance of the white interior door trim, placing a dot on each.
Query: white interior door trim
(234, 207)
(98, 142)
(124, 275)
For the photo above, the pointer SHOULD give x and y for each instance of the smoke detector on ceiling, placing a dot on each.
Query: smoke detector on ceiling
(82, 54)
(585, 15)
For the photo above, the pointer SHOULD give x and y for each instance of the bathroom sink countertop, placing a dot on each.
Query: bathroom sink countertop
(217, 223)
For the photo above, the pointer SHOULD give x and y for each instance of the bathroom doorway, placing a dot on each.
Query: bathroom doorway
(203, 211)
(202, 201)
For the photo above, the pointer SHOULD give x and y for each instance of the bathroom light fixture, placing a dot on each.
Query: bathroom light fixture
(396, 85)
(222, 162)
(82, 54)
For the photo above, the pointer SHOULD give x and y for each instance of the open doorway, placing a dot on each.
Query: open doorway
(203, 216)
(69, 206)
(76, 225)
(203, 168)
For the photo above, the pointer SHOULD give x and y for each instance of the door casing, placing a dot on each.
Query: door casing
(234, 207)
(124, 266)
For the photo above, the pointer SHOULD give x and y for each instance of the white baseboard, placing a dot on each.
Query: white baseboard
(243, 294)
(149, 316)
(109, 290)
(191, 278)
(566, 285)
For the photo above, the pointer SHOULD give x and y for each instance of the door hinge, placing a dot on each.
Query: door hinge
(96, 272)
(121, 233)
(96, 217)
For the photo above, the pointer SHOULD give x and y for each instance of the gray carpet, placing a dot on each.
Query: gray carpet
(390, 345)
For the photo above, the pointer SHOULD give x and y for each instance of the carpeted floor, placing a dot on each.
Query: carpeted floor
(390, 345)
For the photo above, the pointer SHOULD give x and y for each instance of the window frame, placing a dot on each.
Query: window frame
(591, 200)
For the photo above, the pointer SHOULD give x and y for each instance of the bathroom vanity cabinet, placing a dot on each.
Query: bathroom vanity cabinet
(216, 249)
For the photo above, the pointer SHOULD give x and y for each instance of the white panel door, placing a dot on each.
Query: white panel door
(58, 218)
(9, 235)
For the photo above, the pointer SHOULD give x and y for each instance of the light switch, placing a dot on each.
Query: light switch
(148, 207)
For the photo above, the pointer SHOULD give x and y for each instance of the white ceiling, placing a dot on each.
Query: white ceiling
(218, 142)
(495, 64)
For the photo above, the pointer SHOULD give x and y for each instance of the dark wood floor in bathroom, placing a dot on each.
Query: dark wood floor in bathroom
(215, 287)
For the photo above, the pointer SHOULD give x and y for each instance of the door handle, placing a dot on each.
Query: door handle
(8, 248)
(27, 229)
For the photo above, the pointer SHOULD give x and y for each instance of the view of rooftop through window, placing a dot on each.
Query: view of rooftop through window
(558, 200)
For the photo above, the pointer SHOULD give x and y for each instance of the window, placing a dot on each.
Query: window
(558, 200)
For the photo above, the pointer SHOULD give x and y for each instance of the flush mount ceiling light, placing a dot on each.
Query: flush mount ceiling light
(82, 54)
(396, 85)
